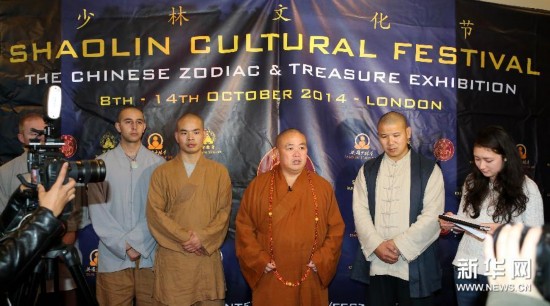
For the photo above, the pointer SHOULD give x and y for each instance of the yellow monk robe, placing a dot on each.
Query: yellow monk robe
(293, 237)
(176, 204)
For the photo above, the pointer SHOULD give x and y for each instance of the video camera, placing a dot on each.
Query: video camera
(45, 159)
(44, 162)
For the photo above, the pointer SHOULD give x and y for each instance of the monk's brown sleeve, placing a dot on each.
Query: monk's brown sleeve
(167, 232)
(253, 258)
(327, 255)
(97, 193)
(73, 222)
(213, 235)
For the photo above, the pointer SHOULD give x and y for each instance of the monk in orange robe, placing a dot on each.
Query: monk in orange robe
(289, 230)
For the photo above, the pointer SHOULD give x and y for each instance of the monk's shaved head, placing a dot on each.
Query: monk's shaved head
(394, 135)
(392, 118)
(292, 153)
(284, 133)
(189, 116)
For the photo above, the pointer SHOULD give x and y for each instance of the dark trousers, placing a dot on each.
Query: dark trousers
(387, 290)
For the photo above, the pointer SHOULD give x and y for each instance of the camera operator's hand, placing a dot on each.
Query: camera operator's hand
(59, 195)
(508, 251)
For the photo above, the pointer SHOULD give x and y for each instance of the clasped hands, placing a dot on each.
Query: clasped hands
(132, 253)
(194, 245)
(388, 252)
(272, 266)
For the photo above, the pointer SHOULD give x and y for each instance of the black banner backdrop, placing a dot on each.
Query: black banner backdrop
(253, 68)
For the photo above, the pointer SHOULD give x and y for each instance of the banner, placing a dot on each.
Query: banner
(254, 68)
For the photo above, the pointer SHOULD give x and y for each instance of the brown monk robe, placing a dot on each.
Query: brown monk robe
(188, 209)
(177, 203)
(293, 234)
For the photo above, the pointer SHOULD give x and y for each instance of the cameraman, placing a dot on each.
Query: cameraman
(21, 250)
(28, 125)
(508, 251)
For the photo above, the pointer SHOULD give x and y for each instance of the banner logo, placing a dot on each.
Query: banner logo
(522, 150)
(108, 141)
(69, 148)
(155, 143)
(209, 143)
(361, 148)
(91, 269)
(444, 149)
(362, 142)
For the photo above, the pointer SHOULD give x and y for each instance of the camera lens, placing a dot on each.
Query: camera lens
(87, 171)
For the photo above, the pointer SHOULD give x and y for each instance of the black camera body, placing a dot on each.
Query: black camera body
(45, 159)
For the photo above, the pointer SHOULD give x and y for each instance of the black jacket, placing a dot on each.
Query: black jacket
(21, 250)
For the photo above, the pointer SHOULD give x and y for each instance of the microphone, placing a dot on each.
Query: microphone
(289, 189)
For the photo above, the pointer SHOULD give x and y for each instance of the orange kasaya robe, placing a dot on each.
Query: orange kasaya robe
(293, 228)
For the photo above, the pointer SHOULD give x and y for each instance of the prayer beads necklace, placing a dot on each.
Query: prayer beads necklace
(270, 214)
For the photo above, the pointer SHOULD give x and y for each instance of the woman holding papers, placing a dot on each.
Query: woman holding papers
(495, 192)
